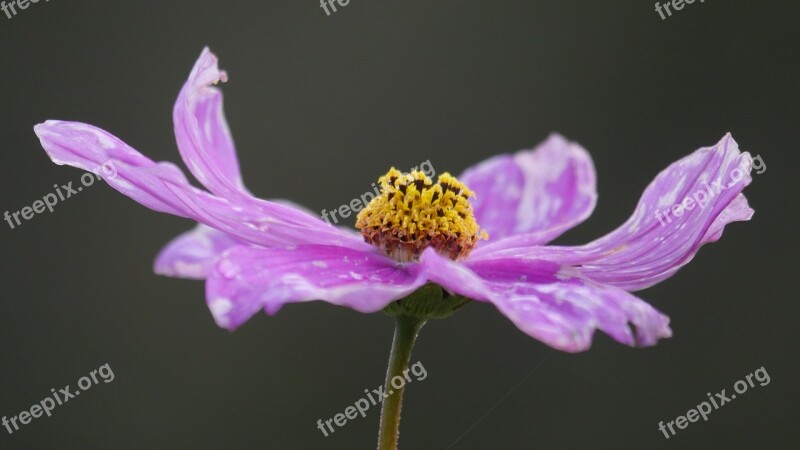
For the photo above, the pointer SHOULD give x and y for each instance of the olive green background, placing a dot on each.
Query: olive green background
(320, 107)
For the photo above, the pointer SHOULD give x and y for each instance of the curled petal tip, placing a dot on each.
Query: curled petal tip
(206, 70)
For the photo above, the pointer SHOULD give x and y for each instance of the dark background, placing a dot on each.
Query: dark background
(320, 107)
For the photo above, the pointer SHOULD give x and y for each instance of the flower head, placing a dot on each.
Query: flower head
(491, 246)
(414, 213)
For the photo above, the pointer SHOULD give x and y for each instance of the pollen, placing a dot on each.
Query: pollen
(413, 213)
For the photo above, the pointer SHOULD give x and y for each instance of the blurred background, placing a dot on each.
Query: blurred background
(320, 106)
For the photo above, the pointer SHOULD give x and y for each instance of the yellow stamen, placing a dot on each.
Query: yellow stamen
(413, 213)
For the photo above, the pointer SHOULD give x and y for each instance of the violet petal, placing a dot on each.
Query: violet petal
(246, 280)
(649, 248)
(556, 306)
(163, 187)
(193, 253)
(545, 191)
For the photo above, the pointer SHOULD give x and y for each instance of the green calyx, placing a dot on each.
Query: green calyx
(427, 302)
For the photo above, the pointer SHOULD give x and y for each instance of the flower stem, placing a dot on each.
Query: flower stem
(405, 333)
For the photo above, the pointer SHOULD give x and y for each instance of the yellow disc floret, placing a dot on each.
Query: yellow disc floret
(413, 213)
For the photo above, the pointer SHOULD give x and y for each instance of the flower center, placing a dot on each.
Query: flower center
(413, 213)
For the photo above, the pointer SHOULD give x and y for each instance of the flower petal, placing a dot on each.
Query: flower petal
(247, 279)
(201, 130)
(205, 143)
(193, 253)
(547, 190)
(653, 244)
(163, 187)
(554, 305)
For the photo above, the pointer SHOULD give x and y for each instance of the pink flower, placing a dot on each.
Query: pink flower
(260, 255)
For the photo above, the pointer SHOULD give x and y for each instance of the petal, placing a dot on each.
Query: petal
(247, 279)
(163, 187)
(206, 146)
(655, 242)
(201, 130)
(193, 253)
(554, 305)
(546, 191)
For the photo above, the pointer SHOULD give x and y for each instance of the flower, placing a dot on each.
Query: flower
(260, 255)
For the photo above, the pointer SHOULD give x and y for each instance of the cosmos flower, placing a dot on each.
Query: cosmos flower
(482, 235)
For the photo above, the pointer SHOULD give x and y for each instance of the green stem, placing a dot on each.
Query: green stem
(405, 333)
